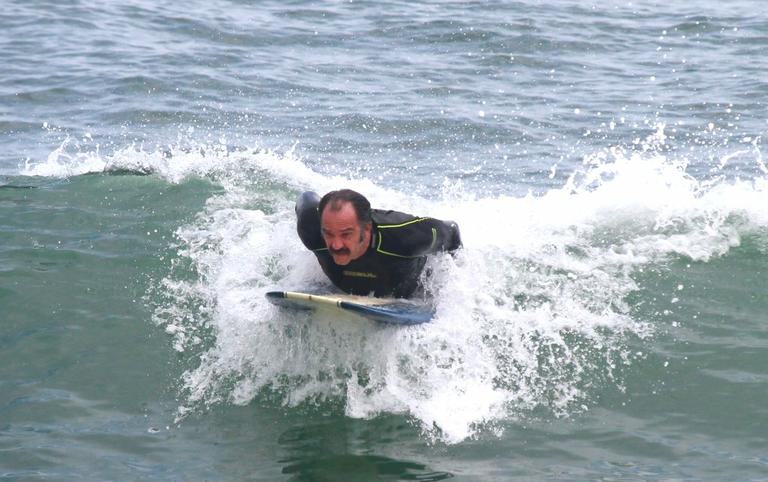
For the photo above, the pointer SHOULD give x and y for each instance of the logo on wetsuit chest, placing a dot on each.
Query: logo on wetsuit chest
(359, 274)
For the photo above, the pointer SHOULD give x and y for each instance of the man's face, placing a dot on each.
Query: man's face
(342, 233)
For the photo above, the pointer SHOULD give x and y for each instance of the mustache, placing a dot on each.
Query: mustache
(339, 251)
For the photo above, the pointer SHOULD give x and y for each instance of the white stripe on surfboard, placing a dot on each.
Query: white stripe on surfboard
(335, 300)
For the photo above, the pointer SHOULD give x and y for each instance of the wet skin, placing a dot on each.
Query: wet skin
(345, 238)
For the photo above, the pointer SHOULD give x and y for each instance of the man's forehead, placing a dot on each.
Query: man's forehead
(343, 215)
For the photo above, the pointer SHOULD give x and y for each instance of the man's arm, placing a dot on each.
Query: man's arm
(308, 221)
(452, 236)
(407, 236)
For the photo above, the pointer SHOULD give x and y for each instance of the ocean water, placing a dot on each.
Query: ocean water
(606, 319)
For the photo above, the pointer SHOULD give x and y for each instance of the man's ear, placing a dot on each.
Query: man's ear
(366, 230)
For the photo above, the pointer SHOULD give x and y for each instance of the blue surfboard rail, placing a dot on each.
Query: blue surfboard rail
(393, 312)
(390, 313)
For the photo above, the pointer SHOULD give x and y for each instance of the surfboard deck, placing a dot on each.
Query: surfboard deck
(382, 310)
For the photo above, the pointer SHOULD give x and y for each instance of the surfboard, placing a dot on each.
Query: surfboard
(382, 310)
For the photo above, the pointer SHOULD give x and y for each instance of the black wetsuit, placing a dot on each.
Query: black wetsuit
(392, 263)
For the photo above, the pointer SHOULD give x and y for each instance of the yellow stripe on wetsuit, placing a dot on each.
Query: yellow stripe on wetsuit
(389, 226)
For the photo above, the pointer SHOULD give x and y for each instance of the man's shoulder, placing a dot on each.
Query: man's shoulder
(401, 235)
(383, 217)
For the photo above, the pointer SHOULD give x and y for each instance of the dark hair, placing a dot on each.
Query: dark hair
(336, 199)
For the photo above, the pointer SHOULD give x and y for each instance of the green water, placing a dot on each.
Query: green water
(91, 385)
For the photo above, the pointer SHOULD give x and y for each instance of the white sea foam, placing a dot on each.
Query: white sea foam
(532, 315)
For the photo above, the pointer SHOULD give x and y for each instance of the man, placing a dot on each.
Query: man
(370, 251)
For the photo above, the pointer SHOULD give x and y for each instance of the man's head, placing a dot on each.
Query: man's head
(345, 222)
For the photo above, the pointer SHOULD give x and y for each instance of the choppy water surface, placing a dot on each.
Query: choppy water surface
(606, 318)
